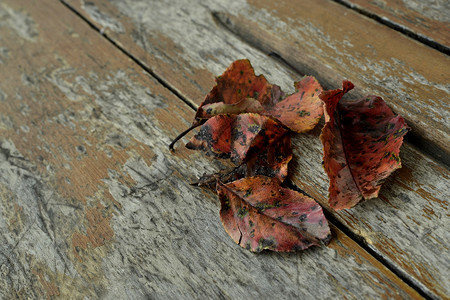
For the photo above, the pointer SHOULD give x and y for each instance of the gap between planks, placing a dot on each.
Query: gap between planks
(397, 27)
(427, 147)
(360, 241)
(333, 220)
(160, 80)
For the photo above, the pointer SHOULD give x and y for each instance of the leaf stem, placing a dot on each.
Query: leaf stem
(195, 125)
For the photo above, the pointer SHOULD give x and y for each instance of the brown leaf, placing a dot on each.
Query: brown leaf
(259, 214)
(237, 83)
(239, 90)
(361, 141)
(259, 144)
(302, 110)
(214, 136)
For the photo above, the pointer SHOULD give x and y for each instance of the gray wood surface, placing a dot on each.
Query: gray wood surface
(184, 45)
(92, 203)
(180, 41)
(428, 19)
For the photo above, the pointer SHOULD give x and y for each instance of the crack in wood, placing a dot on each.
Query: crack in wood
(397, 27)
(362, 242)
(160, 80)
(225, 21)
(141, 65)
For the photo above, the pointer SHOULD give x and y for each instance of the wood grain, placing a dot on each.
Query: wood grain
(411, 77)
(406, 225)
(93, 204)
(428, 19)
(319, 38)
(399, 226)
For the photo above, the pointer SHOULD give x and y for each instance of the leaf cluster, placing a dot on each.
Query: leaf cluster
(246, 119)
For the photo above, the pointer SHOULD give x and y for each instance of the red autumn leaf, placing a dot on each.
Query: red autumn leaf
(259, 214)
(270, 158)
(361, 141)
(214, 136)
(237, 83)
(302, 110)
(238, 90)
(259, 144)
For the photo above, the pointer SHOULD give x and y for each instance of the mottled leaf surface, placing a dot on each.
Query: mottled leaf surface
(214, 136)
(302, 110)
(239, 90)
(259, 214)
(237, 83)
(361, 141)
(259, 144)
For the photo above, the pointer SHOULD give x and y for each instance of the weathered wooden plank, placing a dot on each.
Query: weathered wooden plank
(321, 38)
(377, 59)
(192, 42)
(427, 19)
(407, 224)
(94, 205)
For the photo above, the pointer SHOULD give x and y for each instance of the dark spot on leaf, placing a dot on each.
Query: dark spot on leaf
(266, 244)
(327, 239)
(242, 212)
(303, 113)
(254, 128)
(302, 217)
(248, 246)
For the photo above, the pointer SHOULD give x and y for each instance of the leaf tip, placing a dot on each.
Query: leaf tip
(347, 85)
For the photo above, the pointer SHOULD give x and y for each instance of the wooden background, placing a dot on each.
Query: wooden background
(94, 205)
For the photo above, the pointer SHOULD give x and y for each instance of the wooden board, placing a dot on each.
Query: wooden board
(427, 19)
(319, 38)
(411, 214)
(93, 204)
(407, 225)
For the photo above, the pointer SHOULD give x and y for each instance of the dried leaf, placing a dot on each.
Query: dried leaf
(259, 144)
(239, 90)
(214, 136)
(269, 159)
(248, 105)
(237, 83)
(302, 110)
(258, 214)
(361, 141)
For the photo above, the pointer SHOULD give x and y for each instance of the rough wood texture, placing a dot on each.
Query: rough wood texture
(407, 224)
(92, 203)
(412, 77)
(429, 19)
(319, 38)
